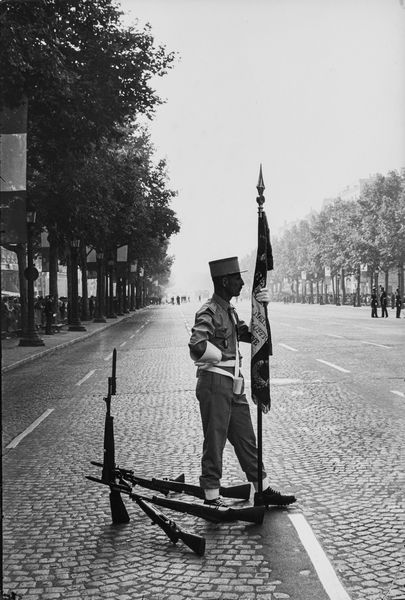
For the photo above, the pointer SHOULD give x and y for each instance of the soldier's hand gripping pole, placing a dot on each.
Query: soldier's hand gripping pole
(195, 542)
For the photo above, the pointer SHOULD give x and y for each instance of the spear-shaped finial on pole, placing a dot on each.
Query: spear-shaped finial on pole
(260, 188)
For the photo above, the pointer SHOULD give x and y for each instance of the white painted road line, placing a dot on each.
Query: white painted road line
(334, 335)
(278, 381)
(109, 356)
(89, 374)
(325, 362)
(374, 344)
(398, 393)
(131, 336)
(323, 567)
(303, 328)
(123, 344)
(29, 429)
(288, 347)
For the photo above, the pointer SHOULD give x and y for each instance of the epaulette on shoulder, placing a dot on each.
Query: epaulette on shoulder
(209, 306)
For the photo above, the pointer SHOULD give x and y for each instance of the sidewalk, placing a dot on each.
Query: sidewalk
(14, 355)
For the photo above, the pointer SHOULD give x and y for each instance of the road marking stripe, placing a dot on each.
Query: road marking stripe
(334, 335)
(89, 374)
(323, 567)
(374, 344)
(123, 344)
(288, 347)
(325, 362)
(29, 429)
(398, 393)
(131, 336)
(278, 381)
(109, 356)
(303, 328)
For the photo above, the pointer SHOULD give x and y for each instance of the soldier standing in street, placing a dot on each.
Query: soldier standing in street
(383, 301)
(398, 303)
(374, 304)
(225, 414)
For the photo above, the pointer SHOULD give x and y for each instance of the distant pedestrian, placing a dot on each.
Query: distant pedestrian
(48, 310)
(92, 305)
(383, 302)
(178, 300)
(392, 300)
(398, 303)
(5, 315)
(374, 304)
(62, 309)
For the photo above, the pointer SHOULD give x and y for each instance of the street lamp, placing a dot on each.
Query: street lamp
(75, 324)
(30, 336)
(99, 316)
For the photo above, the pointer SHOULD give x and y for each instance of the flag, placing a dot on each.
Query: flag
(260, 326)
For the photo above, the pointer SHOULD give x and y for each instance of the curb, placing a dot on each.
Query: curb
(63, 345)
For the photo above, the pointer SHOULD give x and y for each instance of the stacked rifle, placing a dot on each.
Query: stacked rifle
(123, 481)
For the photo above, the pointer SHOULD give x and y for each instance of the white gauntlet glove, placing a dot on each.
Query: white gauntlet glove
(263, 295)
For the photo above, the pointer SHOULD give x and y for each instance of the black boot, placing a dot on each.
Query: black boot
(271, 497)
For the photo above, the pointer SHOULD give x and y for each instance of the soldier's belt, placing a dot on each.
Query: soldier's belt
(216, 368)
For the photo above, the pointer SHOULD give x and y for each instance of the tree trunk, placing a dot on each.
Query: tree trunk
(84, 307)
(343, 287)
(358, 286)
(20, 250)
(69, 287)
(53, 271)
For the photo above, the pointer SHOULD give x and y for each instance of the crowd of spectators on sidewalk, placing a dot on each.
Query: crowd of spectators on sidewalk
(10, 314)
(44, 313)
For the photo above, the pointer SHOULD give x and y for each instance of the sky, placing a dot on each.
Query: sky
(314, 90)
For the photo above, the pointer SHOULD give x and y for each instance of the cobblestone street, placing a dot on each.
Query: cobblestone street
(338, 452)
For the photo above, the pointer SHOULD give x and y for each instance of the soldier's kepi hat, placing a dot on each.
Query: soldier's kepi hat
(225, 266)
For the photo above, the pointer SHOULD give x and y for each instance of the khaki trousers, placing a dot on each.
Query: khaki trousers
(224, 416)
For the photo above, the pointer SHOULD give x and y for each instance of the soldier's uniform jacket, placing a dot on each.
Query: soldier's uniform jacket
(214, 323)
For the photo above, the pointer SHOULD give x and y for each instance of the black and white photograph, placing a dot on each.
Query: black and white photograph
(202, 299)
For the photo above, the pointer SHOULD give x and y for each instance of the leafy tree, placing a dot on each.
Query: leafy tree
(86, 78)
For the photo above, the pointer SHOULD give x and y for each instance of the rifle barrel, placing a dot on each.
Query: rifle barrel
(252, 514)
(236, 491)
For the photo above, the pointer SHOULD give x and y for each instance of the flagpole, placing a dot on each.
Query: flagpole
(260, 201)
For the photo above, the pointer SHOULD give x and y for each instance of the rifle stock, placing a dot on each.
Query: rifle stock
(171, 529)
(196, 543)
(253, 514)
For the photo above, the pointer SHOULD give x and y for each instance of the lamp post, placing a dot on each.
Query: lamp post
(75, 324)
(30, 336)
(99, 316)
